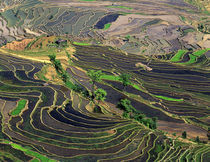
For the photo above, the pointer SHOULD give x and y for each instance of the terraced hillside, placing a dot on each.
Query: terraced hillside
(104, 80)
(44, 121)
(180, 84)
(160, 27)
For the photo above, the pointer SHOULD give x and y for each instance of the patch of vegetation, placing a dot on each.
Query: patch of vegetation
(184, 134)
(100, 94)
(169, 98)
(61, 72)
(200, 52)
(182, 18)
(158, 148)
(125, 79)
(117, 78)
(178, 56)
(29, 152)
(81, 44)
(195, 55)
(95, 76)
(188, 31)
(131, 113)
(107, 26)
(21, 105)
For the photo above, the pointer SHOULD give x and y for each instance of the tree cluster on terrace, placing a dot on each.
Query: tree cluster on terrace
(100, 94)
(132, 113)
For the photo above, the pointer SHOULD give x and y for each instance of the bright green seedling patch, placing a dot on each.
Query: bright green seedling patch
(178, 56)
(136, 87)
(117, 78)
(35, 160)
(107, 26)
(123, 7)
(169, 98)
(29, 152)
(110, 77)
(81, 44)
(200, 52)
(195, 55)
(19, 108)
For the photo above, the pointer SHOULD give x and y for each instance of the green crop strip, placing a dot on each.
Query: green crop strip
(116, 78)
(123, 7)
(195, 55)
(178, 56)
(29, 152)
(169, 98)
(81, 44)
(188, 31)
(107, 26)
(18, 109)
(110, 77)
(201, 52)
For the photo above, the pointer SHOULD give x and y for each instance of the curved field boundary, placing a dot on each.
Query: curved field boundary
(195, 55)
(21, 105)
(29, 152)
(178, 56)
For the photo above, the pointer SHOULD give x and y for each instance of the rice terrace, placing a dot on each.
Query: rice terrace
(105, 80)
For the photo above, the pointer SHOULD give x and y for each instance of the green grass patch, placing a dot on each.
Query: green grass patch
(19, 108)
(117, 78)
(127, 37)
(195, 55)
(30, 152)
(107, 26)
(178, 56)
(188, 31)
(169, 98)
(110, 77)
(158, 148)
(200, 52)
(123, 7)
(81, 44)
(136, 87)
(182, 18)
(35, 160)
(70, 85)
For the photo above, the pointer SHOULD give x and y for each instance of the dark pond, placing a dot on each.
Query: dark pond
(105, 20)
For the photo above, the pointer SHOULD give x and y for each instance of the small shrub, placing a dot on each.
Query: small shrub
(184, 134)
